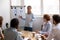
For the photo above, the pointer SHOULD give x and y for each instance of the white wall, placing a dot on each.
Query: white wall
(15, 2)
(5, 11)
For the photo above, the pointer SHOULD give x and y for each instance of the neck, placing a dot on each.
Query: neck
(56, 23)
(29, 12)
(46, 21)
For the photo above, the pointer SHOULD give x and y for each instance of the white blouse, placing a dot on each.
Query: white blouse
(55, 33)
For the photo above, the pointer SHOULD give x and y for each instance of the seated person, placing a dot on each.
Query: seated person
(12, 33)
(56, 30)
(47, 25)
(1, 34)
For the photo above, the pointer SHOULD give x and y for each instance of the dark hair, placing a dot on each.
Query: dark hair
(14, 23)
(56, 18)
(1, 19)
(29, 6)
(47, 17)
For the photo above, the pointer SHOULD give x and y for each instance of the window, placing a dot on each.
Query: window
(15, 2)
(51, 6)
(36, 6)
(43, 6)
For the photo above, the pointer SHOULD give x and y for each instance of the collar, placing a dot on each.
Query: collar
(14, 29)
(58, 26)
(47, 22)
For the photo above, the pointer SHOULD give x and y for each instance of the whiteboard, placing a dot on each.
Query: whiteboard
(17, 11)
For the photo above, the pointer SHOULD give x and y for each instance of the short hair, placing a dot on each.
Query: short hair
(1, 19)
(56, 18)
(29, 6)
(14, 23)
(47, 17)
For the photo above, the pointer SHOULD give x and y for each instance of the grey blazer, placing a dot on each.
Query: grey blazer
(11, 34)
(55, 33)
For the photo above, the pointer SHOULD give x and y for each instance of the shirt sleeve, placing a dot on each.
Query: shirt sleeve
(19, 37)
(49, 28)
(32, 18)
(52, 34)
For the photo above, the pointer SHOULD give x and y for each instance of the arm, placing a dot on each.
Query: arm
(32, 17)
(21, 17)
(1, 35)
(19, 37)
(52, 34)
(47, 29)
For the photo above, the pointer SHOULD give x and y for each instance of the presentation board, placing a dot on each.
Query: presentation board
(16, 12)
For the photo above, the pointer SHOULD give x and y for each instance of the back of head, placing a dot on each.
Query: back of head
(14, 23)
(1, 19)
(56, 18)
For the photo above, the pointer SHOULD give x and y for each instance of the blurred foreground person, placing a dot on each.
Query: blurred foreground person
(56, 30)
(12, 33)
(1, 34)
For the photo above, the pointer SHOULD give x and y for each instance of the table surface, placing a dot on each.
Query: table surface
(31, 35)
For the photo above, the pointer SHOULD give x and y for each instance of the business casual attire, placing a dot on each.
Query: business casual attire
(29, 22)
(47, 28)
(12, 34)
(55, 33)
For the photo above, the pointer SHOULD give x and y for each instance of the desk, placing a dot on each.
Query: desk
(30, 35)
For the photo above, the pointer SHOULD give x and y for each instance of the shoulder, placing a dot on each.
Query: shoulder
(31, 13)
(49, 23)
(7, 29)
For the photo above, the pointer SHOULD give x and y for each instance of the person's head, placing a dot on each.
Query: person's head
(56, 19)
(46, 18)
(1, 19)
(29, 9)
(14, 23)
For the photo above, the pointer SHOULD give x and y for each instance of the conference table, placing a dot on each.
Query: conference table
(27, 35)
